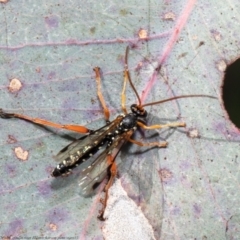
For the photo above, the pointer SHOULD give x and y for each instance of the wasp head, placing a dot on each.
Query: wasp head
(138, 110)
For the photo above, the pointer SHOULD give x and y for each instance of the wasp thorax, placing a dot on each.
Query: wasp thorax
(139, 111)
(129, 121)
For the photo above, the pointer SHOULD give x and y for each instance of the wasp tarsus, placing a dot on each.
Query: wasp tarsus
(5, 115)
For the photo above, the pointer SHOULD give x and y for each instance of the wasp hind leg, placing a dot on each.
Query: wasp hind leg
(39, 121)
(112, 173)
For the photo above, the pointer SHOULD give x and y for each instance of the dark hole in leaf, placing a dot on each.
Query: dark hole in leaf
(231, 92)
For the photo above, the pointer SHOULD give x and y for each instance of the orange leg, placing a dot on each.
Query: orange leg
(174, 124)
(155, 144)
(113, 172)
(74, 128)
(152, 144)
(99, 93)
(123, 94)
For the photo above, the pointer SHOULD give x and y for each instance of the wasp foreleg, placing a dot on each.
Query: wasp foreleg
(151, 144)
(173, 124)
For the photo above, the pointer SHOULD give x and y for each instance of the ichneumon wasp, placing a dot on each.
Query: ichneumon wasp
(99, 144)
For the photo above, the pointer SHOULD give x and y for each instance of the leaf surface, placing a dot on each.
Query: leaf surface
(186, 191)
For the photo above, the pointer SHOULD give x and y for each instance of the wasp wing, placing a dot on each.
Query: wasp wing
(94, 174)
(62, 153)
(86, 143)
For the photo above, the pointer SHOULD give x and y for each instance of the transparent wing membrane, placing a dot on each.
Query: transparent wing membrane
(94, 174)
(85, 143)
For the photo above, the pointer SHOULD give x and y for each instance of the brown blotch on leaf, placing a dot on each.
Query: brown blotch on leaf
(38, 69)
(165, 174)
(11, 139)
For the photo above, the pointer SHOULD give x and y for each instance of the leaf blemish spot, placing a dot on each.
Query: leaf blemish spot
(44, 188)
(217, 36)
(52, 21)
(193, 133)
(10, 169)
(165, 175)
(11, 139)
(221, 65)
(53, 226)
(169, 16)
(38, 69)
(142, 34)
(21, 154)
(197, 210)
(15, 85)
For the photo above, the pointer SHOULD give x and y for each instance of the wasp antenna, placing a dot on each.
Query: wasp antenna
(129, 77)
(178, 97)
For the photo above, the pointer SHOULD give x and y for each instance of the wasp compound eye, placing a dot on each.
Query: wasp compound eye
(230, 92)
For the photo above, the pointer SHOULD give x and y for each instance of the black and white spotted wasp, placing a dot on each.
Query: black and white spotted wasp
(99, 144)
